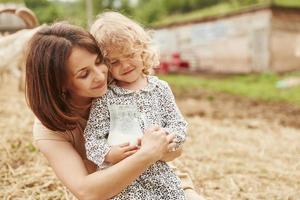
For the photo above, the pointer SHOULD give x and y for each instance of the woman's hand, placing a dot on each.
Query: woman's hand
(119, 152)
(155, 143)
(172, 155)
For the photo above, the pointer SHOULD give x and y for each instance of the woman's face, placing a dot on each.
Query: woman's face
(87, 75)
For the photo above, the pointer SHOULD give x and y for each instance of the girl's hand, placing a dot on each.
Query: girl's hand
(119, 152)
(155, 142)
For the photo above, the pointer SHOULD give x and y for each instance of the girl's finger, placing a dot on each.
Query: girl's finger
(170, 137)
(129, 153)
(139, 142)
(129, 148)
(172, 146)
(152, 129)
(124, 144)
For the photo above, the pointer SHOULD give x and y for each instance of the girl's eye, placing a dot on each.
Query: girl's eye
(130, 55)
(114, 62)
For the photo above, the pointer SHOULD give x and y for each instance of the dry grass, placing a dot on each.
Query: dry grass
(24, 173)
(235, 150)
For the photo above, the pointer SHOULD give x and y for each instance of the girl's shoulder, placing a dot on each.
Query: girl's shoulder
(102, 99)
(157, 82)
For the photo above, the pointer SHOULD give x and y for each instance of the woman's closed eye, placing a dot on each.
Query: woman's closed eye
(83, 74)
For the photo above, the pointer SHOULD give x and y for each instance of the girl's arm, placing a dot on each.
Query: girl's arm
(96, 131)
(173, 120)
(70, 168)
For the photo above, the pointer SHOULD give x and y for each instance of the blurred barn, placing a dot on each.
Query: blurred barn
(259, 39)
(17, 25)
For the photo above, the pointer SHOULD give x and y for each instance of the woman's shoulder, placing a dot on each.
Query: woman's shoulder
(74, 137)
(41, 132)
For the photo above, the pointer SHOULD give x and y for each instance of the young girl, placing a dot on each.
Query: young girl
(134, 102)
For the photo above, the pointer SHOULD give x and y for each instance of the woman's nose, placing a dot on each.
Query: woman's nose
(100, 75)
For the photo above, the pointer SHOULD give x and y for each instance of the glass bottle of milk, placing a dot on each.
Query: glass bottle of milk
(124, 124)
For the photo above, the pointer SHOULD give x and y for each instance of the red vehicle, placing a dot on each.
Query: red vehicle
(176, 64)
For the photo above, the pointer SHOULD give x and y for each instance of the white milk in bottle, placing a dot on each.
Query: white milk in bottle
(124, 124)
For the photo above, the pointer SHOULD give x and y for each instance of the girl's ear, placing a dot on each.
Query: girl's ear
(143, 57)
(146, 72)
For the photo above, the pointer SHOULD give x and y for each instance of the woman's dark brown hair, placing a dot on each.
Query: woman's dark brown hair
(49, 50)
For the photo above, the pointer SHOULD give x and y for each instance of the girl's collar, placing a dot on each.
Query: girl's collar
(152, 83)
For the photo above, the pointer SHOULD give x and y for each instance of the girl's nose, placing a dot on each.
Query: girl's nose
(125, 64)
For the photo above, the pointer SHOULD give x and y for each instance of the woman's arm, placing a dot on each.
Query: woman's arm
(70, 168)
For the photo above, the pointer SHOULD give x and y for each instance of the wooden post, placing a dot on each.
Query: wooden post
(89, 12)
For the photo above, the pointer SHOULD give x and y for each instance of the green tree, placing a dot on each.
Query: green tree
(148, 11)
(46, 11)
(126, 7)
(12, 1)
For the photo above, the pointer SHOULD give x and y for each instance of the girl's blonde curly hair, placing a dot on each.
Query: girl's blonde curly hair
(115, 32)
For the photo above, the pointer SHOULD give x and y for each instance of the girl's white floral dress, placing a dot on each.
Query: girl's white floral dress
(154, 105)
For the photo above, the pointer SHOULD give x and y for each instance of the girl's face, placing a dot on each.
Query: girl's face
(87, 75)
(126, 68)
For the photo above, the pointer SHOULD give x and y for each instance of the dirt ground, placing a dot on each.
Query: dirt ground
(237, 149)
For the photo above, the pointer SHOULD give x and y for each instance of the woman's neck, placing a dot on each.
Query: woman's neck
(81, 105)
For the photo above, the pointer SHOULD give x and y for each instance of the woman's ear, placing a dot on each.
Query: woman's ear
(63, 93)
(64, 90)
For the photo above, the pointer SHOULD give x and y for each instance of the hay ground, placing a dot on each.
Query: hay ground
(237, 149)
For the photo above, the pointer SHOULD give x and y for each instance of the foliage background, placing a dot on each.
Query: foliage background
(148, 12)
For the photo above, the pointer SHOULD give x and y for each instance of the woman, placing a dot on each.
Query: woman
(64, 71)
